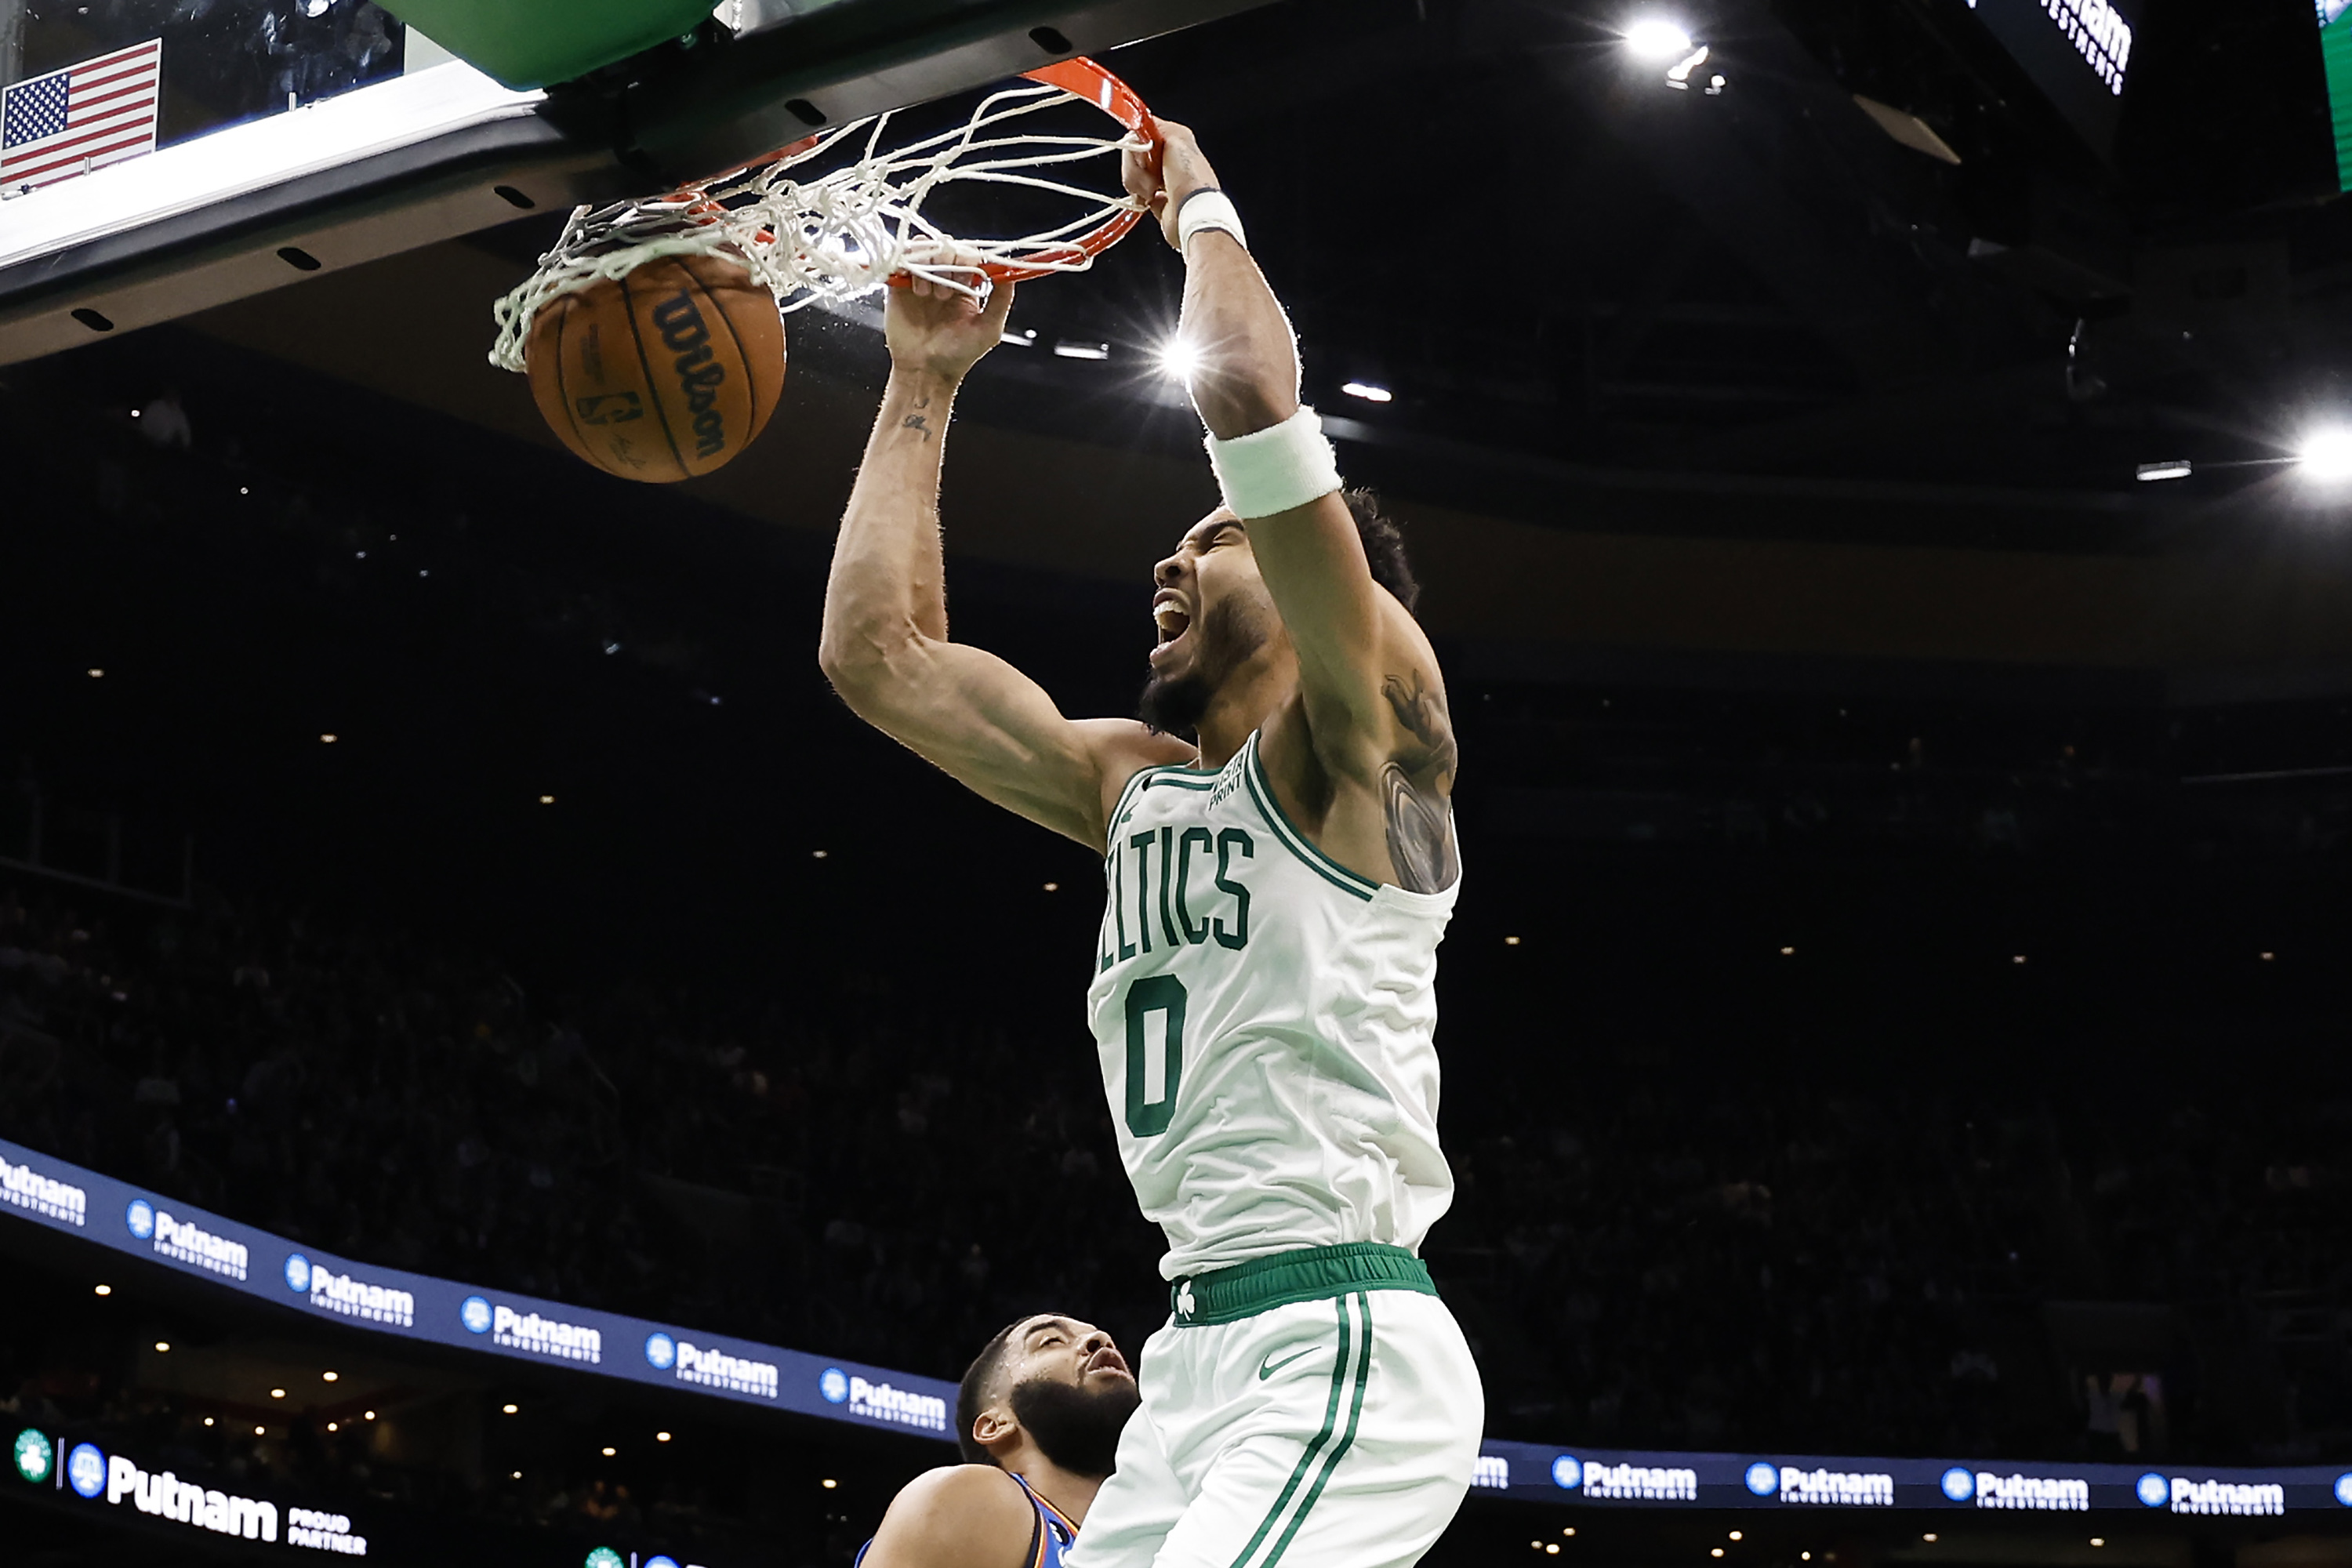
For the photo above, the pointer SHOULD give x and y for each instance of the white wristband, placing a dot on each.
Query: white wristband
(1277, 468)
(1207, 209)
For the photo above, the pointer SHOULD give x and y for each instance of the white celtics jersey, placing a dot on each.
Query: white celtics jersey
(1265, 1018)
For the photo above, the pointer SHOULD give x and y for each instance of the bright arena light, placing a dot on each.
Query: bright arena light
(1180, 359)
(1656, 39)
(1367, 392)
(2327, 453)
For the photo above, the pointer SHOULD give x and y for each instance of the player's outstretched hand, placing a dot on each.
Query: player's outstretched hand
(940, 330)
(1162, 177)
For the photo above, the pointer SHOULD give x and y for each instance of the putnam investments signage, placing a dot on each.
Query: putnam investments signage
(116, 1481)
(1602, 1479)
(106, 1213)
(2080, 54)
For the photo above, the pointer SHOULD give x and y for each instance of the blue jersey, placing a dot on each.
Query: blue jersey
(1050, 1536)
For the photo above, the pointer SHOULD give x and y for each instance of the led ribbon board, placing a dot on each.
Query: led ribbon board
(88, 1471)
(1608, 1478)
(2078, 52)
(95, 1479)
(127, 1220)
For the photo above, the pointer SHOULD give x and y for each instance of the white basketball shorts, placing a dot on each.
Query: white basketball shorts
(1338, 1431)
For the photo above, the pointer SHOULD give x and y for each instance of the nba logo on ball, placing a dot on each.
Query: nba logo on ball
(141, 1217)
(1762, 1479)
(298, 1273)
(661, 1354)
(1566, 1473)
(834, 1383)
(475, 1313)
(2154, 1489)
(86, 1469)
(1959, 1483)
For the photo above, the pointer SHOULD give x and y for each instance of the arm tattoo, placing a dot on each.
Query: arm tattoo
(918, 422)
(1415, 787)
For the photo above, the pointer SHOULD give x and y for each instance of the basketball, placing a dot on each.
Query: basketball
(663, 374)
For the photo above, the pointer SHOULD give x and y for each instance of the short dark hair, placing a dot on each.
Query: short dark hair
(1383, 539)
(971, 1393)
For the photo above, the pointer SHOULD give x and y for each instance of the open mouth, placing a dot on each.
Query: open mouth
(1171, 622)
(1107, 1359)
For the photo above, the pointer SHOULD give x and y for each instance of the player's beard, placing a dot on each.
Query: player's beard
(1075, 1427)
(1228, 636)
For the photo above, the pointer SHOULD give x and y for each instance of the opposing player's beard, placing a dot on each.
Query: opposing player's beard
(1228, 637)
(1076, 1429)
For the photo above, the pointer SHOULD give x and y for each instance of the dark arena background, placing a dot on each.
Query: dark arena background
(497, 1066)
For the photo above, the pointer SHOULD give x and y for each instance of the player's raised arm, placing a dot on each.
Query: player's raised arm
(1367, 680)
(886, 645)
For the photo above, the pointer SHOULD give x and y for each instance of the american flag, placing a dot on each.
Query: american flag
(100, 112)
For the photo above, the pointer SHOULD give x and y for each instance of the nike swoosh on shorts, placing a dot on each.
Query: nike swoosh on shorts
(1269, 1367)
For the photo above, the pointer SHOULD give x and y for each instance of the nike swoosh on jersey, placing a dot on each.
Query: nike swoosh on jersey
(1269, 1366)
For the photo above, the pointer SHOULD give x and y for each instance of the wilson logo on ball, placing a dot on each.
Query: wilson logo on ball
(665, 375)
(685, 335)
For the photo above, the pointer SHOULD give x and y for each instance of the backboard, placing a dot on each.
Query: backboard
(267, 139)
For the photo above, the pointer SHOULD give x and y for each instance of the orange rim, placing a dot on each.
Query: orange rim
(1089, 82)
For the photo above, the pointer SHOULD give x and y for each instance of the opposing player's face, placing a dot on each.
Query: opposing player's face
(1071, 1391)
(1064, 1350)
(1211, 612)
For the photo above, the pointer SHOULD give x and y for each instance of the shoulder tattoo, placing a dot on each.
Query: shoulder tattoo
(1416, 786)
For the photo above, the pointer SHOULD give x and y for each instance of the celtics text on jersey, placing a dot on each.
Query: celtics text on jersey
(1265, 1018)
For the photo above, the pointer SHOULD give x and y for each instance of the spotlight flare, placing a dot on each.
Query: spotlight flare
(1656, 38)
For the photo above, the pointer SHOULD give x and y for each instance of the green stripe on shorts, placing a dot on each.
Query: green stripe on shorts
(1347, 1439)
(1339, 1381)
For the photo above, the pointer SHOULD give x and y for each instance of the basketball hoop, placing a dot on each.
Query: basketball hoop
(859, 225)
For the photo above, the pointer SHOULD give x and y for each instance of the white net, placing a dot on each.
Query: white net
(813, 236)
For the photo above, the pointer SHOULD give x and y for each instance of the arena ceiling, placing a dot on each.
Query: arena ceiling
(1605, 306)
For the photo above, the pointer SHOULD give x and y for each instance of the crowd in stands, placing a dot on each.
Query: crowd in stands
(804, 1184)
(1917, 1274)
(1655, 1264)
(1726, 1249)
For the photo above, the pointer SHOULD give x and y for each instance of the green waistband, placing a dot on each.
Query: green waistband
(1313, 1274)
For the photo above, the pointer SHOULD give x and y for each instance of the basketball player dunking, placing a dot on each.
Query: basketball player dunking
(1264, 997)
